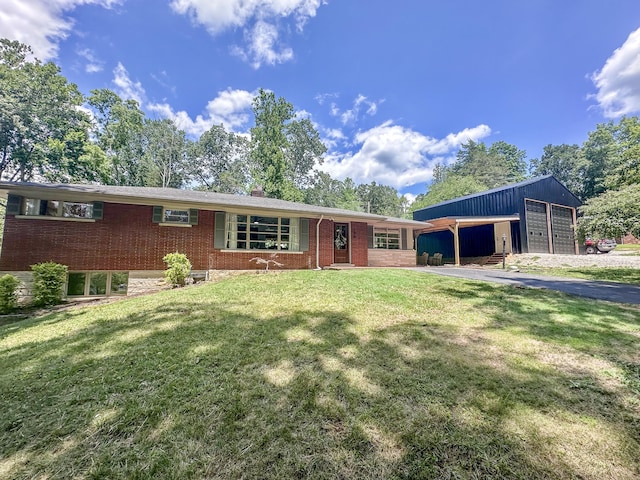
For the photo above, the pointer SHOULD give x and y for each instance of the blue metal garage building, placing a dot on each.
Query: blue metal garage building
(536, 216)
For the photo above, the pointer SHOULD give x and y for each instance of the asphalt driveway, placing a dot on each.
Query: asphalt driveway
(610, 291)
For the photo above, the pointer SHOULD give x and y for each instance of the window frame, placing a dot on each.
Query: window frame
(383, 234)
(255, 230)
(57, 209)
(88, 283)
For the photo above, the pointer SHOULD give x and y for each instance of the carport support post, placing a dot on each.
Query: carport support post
(456, 243)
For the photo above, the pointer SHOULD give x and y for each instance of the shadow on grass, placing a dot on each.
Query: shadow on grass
(201, 388)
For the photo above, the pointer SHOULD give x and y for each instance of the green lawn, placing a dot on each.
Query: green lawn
(605, 274)
(332, 374)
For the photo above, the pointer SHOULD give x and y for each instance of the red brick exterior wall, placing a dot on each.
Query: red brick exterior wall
(359, 248)
(126, 239)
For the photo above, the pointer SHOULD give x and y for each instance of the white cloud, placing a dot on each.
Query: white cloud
(351, 115)
(397, 156)
(41, 23)
(230, 108)
(260, 20)
(262, 46)
(618, 82)
(127, 88)
(93, 65)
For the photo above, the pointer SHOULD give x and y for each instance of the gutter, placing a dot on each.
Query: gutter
(318, 243)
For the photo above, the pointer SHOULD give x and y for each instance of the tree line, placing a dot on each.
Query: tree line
(50, 131)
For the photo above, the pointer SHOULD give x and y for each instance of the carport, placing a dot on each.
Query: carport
(501, 225)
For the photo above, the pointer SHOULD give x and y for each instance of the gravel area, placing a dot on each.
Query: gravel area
(611, 259)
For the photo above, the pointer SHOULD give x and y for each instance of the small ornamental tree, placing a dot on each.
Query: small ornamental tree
(178, 268)
(8, 293)
(48, 280)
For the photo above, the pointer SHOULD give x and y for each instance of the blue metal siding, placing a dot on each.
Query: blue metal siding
(502, 201)
(474, 242)
(496, 203)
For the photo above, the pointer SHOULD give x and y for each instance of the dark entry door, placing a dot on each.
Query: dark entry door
(537, 227)
(562, 230)
(341, 243)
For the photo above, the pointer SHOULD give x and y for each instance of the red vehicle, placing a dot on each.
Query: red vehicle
(599, 246)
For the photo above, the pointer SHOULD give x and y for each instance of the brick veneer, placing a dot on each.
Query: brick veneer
(126, 239)
(380, 257)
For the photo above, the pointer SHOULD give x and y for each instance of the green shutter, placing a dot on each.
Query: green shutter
(369, 236)
(193, 216)
(98, 209)
(304, 234)
(13, 205)
(157, 214)
(403, 234)
(218, 234)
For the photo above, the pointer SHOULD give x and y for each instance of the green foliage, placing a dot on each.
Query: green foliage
(42, 130)
(453, 186)
(8, 293)
(164, 154)
(218, 161)
(178, 268)
(119, 133)
(48, 282)
(495, 166)
(283, 150)
(380, 199)
(565, 162)
(611, 214)
(329, 192)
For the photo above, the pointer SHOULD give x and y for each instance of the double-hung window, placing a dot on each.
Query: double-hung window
(257, 232)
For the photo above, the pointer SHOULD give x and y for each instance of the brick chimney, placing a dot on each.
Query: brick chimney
(257, 192)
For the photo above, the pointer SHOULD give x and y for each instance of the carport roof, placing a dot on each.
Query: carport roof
(449, 223)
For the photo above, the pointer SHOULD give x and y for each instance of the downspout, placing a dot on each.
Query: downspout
(318, 243)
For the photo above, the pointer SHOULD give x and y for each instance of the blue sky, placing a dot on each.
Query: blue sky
(393, 87)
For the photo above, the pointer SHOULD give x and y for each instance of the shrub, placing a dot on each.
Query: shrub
(178, 268)
(48, 280)
(8, 293)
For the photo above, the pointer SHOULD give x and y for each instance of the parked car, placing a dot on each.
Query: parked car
(599, 246)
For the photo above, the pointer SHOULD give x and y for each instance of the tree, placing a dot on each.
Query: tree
(380, 199)
(164, 154)
(283, 150)
(118, 131)
(498, 165)
(626, 167)
(599, 152)
(453, 186)
(565, 162)
(43, 133)
(611, 214)
(330, 192)
(218, 161)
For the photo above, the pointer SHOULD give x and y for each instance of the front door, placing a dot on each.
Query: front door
(341, 243)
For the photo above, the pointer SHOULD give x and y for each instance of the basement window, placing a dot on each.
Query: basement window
(97, 284)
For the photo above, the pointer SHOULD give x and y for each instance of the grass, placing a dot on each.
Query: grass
(333, 374)
(629, 249)
(603, 274)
